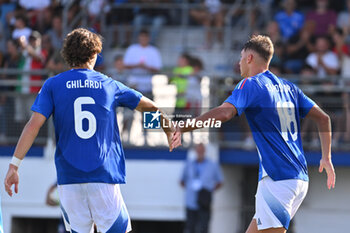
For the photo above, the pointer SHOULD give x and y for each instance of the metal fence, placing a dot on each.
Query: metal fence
(333, 97)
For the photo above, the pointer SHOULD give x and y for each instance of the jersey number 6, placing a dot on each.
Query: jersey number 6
(80, 115)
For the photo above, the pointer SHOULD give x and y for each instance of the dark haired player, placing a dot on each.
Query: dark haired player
(89, 156)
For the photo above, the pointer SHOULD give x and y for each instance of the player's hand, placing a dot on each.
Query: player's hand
(12, 178)
(169, 136)
(176, 140)
(328, 166)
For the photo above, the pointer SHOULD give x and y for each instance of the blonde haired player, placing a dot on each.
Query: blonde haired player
(273, 107)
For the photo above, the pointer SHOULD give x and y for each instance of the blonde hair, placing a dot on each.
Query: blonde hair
(262, 45)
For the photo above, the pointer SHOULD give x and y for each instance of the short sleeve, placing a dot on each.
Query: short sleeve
(304, 102)
(243, 96)
(127, 97)
(44, 102)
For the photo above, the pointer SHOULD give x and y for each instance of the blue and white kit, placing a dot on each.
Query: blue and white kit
(273, 108)
(83, 104)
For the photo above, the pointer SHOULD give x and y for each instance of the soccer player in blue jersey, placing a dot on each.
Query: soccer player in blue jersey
(273, 107)
(89, 156)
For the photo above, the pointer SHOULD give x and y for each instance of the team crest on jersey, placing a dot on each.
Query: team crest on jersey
(151, 120)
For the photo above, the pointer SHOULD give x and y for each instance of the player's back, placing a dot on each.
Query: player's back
(83, 103)
(273, 107)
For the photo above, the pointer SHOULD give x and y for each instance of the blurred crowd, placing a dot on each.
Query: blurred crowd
(311, 40)
(314, 43)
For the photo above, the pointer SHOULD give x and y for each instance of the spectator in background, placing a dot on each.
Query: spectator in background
(21, 28)
(34, 4)
(211, 15)
(118, 72)
(56, 32)
(273, 31)
(343, 20)
(200, 178)
(47, 47)
(340, 46)
(326, 63)
(193, 92)
(289, 20)
(73, 11)
(95, 8)
(38, 13)
(6, 9)
(12, 60)
(56, 63)
(149, 16)
(35, 59)
(323, 60)
(120, 18)
(297, 49)
(142, 60)
(180, 79)
(324, 19)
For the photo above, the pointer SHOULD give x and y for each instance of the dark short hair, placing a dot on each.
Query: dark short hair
(80, 46)
(196, 62)
(262, 45)
(144, 32)
(187, 56)
(324, 37)
(22, 18)
(339, 31)
(118, 57)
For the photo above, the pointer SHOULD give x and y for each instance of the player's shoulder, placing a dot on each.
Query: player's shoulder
(102, 75)
(288, 85)
(246, 83)
(56, 78)
(108, 80)
(292, 85)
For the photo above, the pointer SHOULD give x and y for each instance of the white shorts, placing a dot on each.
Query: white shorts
(276, 202)
(84, 205)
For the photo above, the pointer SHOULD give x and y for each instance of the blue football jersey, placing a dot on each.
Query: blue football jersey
(273, 108)
(83, 104)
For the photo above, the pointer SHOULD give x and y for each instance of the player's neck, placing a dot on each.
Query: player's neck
(88, 66)
(257, 70)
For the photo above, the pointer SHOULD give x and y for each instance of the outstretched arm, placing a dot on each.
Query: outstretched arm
(26, 140)
(324, 127)
(222, 113)
(146, 104)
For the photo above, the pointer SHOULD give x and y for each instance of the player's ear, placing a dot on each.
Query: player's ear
(250, 58)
